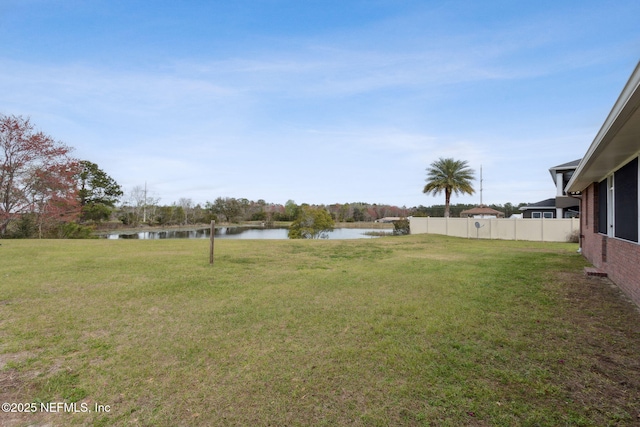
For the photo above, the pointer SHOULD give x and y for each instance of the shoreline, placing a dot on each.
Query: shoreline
(252, 224)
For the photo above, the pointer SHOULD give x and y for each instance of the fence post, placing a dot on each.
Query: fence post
(211, 241)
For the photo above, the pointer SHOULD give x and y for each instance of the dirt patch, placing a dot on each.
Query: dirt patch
(9, 358)
(607, 381)
(12, 387)
(15, 384)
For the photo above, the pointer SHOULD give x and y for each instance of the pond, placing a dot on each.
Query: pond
(240, 233)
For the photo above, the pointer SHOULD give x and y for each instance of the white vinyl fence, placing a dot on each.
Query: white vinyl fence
(541, 230)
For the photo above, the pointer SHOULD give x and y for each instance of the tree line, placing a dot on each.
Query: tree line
(135, 211)
(45, 192)
(237, 210)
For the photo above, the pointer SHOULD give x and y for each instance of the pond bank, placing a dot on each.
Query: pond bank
(241, 231)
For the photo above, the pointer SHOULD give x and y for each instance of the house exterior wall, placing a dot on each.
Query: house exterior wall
(608, 178)
(529, 212)
(566, 202)
(620, 259)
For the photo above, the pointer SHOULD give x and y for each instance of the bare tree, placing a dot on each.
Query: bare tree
(141, 205)
(187, 206)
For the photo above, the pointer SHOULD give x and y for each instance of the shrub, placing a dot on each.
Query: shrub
(401, 227)
(574, 236)
(311, 223)
(72, 230)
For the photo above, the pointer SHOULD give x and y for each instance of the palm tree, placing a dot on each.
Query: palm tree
(450, 176)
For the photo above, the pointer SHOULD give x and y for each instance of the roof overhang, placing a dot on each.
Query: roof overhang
(533, 208)
(565, 167)
(482, 211)
(617, 141)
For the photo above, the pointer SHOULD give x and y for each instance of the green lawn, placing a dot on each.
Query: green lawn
(417, 330)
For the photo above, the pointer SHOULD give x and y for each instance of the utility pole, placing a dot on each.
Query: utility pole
(481, 185)
(144, 206)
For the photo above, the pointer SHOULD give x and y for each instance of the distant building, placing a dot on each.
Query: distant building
(388, 219)
(563, 205)
(544, 209)
(481, 211)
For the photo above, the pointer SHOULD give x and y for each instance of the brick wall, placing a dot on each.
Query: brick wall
(623, 267)
(620, 259)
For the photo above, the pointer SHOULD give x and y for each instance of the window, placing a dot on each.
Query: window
(539, 215)
(625, 199)
(617, 196)
(603, 190)
(585, 200)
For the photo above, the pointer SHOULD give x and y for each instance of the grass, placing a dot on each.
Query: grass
(416, 330)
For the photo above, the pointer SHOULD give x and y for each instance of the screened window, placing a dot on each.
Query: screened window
(547, 214)
(536, 214)
(626, 201)
(602, 206)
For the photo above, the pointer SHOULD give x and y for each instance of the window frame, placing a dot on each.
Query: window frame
(625, 204)
(611, 203)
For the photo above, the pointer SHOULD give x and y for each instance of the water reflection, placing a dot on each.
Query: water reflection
(240, 233)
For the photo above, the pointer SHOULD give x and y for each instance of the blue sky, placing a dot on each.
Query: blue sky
(318, 101)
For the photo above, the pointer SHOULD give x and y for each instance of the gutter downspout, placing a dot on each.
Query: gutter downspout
(579, 198)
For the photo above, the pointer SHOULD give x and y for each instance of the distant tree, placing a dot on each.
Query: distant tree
(139, 206)
(36, 176)
(451, 176)
(227, 208)
(53, 196)
(187, 207)
(259, 216)
(201, 215)
(179, 214)
(370, 214)
(166, 215)
(358, 214)
(255, 211)
(345, 213)
(311, 223)
(291, 210)
(275, 212)
(508, 209)
(97, 191)
(245, 206)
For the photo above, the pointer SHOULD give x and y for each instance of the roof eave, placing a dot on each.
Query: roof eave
(564, 167)
(611, 147)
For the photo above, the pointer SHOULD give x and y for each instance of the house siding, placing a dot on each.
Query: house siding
(528, 212)
(620, 259)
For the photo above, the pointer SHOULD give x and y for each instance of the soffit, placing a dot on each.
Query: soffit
(617, 142)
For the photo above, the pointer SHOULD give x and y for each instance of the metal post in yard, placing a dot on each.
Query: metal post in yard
(211, 241)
